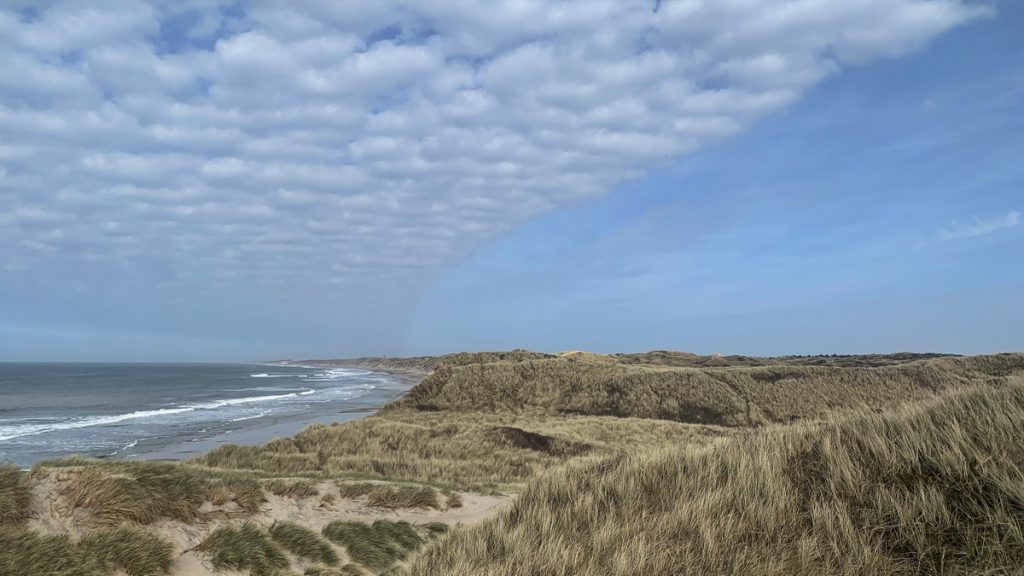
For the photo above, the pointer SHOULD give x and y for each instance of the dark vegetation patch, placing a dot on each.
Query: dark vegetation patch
(379, 545)
(519, 438)
(125, 549)
(245, 547)
(303, 542)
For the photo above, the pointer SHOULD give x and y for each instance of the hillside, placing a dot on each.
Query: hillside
(930, 488)
(749, 393)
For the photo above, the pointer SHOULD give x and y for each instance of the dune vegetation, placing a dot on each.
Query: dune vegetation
(929, 488)
(652, 463)
(15, 496)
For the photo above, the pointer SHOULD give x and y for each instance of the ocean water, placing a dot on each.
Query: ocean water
(171, 410)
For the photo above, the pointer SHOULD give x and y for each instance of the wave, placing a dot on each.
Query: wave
(321, 376)
(20, 430)
(11, 432)
(260, 415)
(236, 401)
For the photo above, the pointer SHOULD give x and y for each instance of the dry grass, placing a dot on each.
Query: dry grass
(138, 492)
(390, 496)
(15, 496)
(293, 488)
(461, 449)
(452, 499)
(346, 570)
(303, 542)
(244, 491)
(730, 396)
(933, 488)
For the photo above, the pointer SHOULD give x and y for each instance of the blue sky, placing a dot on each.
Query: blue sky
(204, 181)
(879, 213)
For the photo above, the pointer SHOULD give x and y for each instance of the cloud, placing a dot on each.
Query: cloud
(979, 227)
(329, 144)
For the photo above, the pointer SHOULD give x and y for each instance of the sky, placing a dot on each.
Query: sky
(208, 181)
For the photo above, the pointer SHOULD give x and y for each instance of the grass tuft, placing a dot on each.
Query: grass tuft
(128, 549)
(26, 552)
(346, 570)
(452, 499)
(390, 496)
(244, 548)
(139, 492)
(244, 491)
(375, 546)
(293, 488)
(15, 496)
(303, 542)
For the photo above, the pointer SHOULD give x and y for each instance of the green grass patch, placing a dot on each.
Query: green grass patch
(15, 496)
(128, 549)
(303, 542)
(30, 553)
(244, 548)
(375, 546)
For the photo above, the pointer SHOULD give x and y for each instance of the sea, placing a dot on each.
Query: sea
(172, 411)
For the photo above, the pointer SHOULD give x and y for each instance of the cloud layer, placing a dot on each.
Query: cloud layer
(979, 227)
(253, 144)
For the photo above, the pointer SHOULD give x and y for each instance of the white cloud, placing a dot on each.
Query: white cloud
(979, 227)
(380, 139)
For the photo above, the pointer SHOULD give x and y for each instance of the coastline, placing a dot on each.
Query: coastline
(404, 379)
(284, 427)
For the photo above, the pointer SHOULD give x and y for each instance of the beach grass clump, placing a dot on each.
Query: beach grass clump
(15, 496)
(303, 542)
(137, 492)
(293, 488)
(245, 491)
(346, 570)
(129, 550)
(403, 497)
(390, 496)
(934, 487)
(230, 456)
(27, 552)
(452, 499)
(245, 547)
(375, 546)
(355, 489)
(72, 461)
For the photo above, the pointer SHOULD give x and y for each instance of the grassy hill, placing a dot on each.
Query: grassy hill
(934, 487)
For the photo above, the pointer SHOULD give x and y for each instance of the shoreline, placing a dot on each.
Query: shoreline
(283, 427)
(393, 384)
